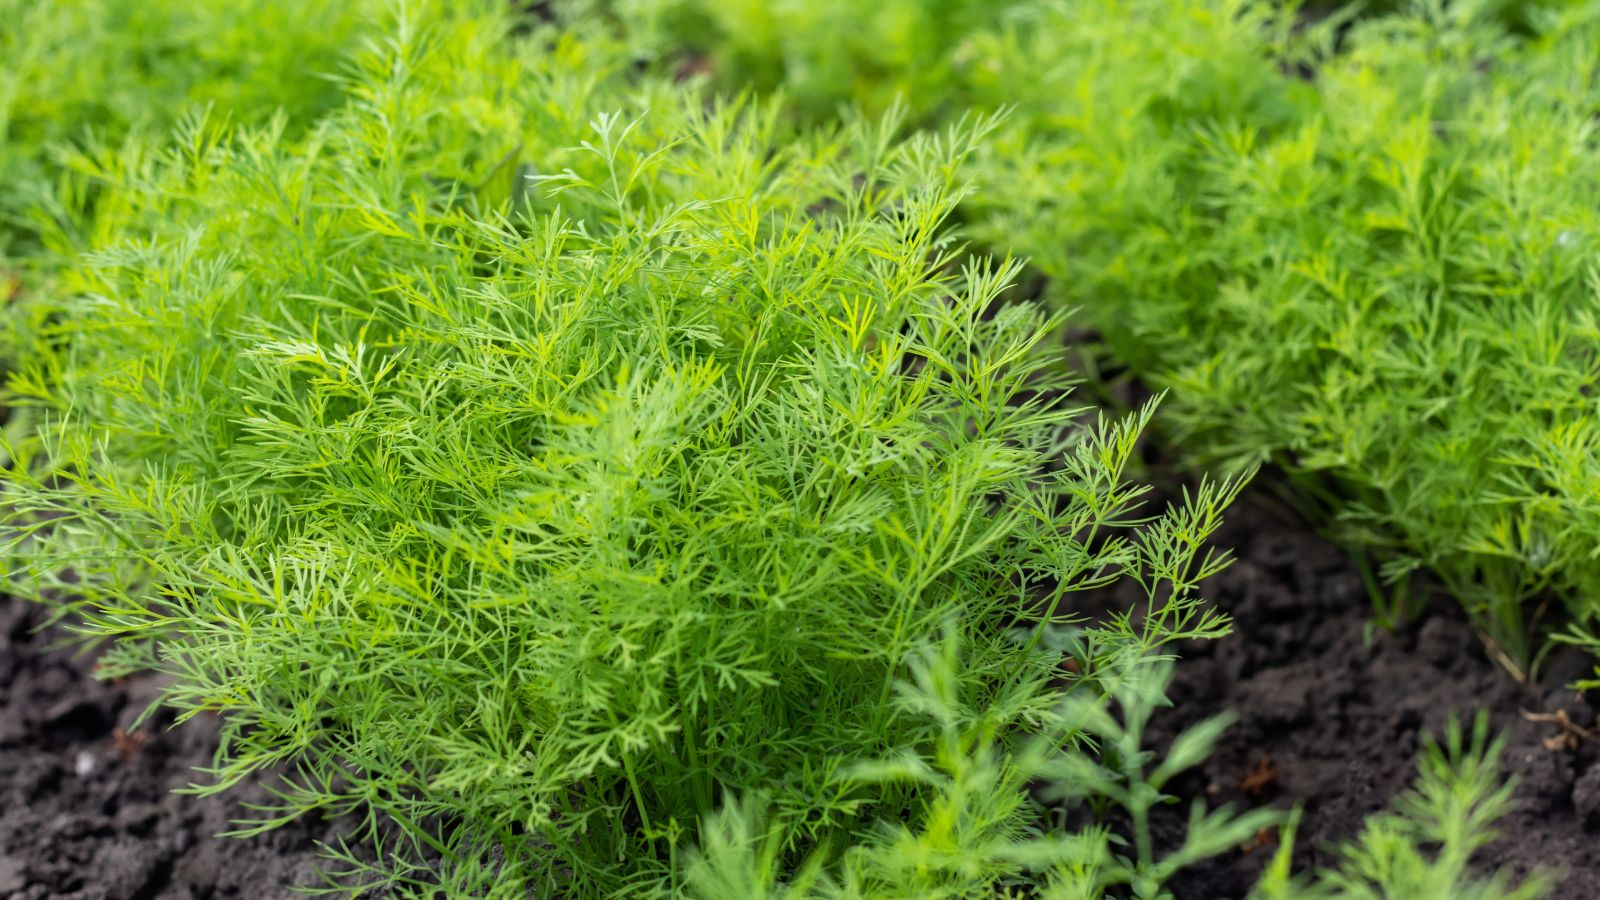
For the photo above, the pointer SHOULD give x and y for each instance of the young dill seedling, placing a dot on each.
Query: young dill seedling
(981, 832)
(983, 828)
(1424, 846)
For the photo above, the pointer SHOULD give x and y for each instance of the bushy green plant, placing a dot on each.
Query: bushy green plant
(1356, 247)
(562, 476)
(526, 456)
(1376, 274)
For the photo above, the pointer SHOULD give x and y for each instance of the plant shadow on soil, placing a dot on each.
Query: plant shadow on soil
(1327, 720)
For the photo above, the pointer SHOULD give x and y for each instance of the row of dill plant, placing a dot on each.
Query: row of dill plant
(590, 490)
(1353, 243)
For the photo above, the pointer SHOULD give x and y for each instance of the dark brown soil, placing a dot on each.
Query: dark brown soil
(86, 805)
(1326, 719)
(1333, 722)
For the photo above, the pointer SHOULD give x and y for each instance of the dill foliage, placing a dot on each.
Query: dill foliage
(1378, 275)
(535, 462)
(593, 490)
(1425, 846)
(1357, 247)
(76, 68)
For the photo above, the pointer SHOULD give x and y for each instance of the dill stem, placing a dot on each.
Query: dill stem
(638, 797)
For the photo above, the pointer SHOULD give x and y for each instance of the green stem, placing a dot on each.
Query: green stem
(633, 785)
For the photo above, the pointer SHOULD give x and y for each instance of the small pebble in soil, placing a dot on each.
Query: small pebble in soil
(83, 764)
(12, 878)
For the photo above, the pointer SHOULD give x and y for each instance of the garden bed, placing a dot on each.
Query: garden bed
(649, 524)
(1327, 719)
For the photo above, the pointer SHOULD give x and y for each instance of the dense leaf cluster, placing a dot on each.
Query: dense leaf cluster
(531, 457)
(1358, 248)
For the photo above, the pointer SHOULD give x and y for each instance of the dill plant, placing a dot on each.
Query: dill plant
(1364, 255)
(527, 459)
(1426, 846)
(969, 833)
(1355, 246)
(110, 67)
